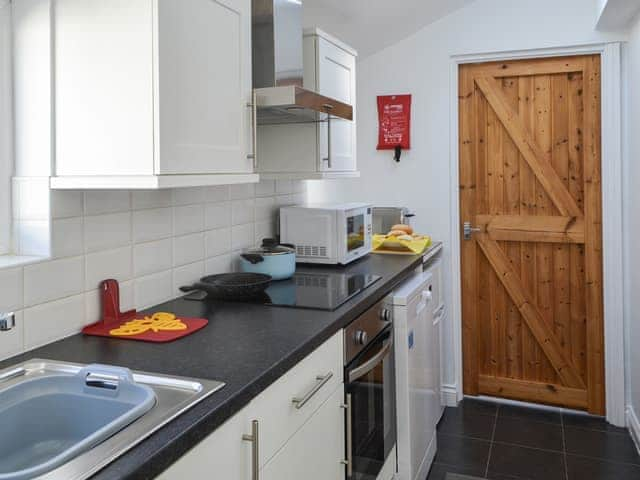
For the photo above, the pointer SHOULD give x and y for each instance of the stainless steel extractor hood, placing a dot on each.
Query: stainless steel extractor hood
(278, 68)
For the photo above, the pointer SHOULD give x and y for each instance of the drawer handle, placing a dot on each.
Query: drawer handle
(321, 380)
(255, 449)
(348, 407)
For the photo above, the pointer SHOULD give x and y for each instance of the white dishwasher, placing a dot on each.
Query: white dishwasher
(417, 375)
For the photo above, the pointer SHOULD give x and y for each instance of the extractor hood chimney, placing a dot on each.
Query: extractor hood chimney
(278, 68)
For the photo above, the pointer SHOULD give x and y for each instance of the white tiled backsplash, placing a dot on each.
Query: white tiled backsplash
(152, 242)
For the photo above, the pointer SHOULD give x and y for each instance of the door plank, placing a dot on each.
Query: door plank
(484, 272)
(530, 68)
(535, 156)
(561, 255)
(531, 352)
(593, 236)
(532, 316)
(467, 145)
(544, 206)
(576, 188)
(495, 191)
(510, 87)
(534, 391)
(548, 229)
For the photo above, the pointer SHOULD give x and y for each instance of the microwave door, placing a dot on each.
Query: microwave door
(356, 231)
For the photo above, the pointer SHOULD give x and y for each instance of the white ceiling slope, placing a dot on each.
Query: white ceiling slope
(616, 15)
(372, 25)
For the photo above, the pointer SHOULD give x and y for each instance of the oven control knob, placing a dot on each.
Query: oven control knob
(385, 314)
(361, 337)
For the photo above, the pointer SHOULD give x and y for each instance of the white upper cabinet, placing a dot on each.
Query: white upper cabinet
(335, 77)
(316, 150)
(152, 93)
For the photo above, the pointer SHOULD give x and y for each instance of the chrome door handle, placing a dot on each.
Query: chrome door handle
(255, 452)
(370, 364)
(349, 437)
(254, 129)
(468, 230)
(321, 380)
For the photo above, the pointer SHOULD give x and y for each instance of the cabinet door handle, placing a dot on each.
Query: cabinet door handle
(321, 380)
(255, 451)
(328, 159)
(254, 129)
(349, 437)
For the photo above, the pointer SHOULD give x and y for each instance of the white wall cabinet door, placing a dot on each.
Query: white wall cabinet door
(336, 78)
(316, 450)
(152, 93)
(103, 87)
(204, 86)
(223, 454)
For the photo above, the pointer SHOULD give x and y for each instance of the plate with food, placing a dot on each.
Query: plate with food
(401, 239)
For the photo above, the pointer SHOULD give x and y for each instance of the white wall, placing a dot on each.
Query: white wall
(420, 65)
(152, 242)
(6, 132)
(632, 220)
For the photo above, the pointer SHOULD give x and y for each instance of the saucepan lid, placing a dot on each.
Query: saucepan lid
(270, 246)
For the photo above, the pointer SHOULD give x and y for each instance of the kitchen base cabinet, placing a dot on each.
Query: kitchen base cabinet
(223, 454)
(311, 382)
(316, 451)
(300, 424)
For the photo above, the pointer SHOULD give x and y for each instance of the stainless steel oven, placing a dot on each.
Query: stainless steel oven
(370, 394)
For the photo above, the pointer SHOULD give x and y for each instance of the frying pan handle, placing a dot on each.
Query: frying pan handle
(252, 258)
(194, 287)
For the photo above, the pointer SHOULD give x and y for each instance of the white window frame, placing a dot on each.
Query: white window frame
(6, 125)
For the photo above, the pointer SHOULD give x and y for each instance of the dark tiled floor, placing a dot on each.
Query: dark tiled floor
(504, 442)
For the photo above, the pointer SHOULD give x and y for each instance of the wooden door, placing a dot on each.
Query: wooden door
(530, 182)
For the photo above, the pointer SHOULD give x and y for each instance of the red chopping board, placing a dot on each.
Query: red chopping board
(159, 327)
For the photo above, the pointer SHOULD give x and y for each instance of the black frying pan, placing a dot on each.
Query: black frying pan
(232, 286)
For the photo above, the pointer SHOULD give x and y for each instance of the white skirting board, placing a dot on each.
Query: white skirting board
(634, 426)
(449, 394)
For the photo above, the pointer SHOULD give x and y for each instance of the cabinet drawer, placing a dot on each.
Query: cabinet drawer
(316, 451)
(310, 382)
(223, 452)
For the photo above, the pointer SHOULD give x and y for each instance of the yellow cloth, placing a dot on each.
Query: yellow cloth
(417, 245)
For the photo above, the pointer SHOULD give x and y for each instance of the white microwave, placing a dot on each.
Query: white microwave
(331, 234)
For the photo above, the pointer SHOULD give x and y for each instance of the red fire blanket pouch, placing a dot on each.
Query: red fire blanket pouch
(394, 119)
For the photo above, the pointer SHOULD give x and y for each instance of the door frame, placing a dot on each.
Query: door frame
(612, 185)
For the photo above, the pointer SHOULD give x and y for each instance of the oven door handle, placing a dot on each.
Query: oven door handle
(370, 364)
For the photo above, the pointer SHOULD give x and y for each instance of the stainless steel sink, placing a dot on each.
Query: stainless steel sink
(65, 421)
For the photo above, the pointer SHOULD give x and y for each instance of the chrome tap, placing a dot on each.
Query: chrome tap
(7, 321)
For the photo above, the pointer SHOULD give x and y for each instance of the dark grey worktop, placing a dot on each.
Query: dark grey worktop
(246, 346)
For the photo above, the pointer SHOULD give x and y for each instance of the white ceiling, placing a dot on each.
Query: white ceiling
(371, 25)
